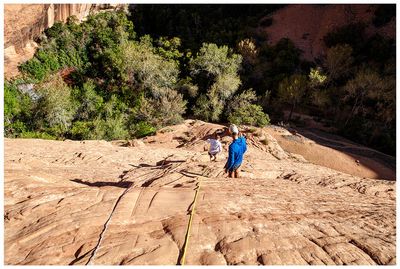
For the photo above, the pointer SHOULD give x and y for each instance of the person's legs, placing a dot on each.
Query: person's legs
(236, 172)
(230, 173)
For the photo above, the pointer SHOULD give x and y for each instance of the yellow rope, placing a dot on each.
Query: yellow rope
(183, 258)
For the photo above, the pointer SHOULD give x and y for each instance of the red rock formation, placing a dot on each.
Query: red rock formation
(25, 22)
(306, 25)
(101, 203)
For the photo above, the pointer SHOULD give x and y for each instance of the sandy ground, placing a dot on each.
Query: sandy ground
(112, 203)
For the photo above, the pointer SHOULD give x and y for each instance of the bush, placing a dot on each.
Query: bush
(286, 56)
(17, 109)
(166, 109)
(241, 110)
(202, 110)
(142, 129)
(81, 130)
(146, 70)
(111, 129)
(251, 115)
(54, 108)
(339, 61)
(215, 61)
(88, 101)
(34, 68)
(40, 135)
(291, 90)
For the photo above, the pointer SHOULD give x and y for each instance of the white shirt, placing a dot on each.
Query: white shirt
(215, 146)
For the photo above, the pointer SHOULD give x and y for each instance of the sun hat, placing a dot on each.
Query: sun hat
(233, 129)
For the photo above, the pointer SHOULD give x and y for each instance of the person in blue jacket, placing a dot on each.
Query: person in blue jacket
(236, 150)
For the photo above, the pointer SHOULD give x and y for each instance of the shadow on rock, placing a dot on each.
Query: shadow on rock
(124, 184)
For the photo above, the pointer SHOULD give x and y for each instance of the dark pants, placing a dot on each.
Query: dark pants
(234, 172)
(213, 155)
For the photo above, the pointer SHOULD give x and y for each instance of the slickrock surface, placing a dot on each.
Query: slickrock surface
(335, 152)
(117, 203)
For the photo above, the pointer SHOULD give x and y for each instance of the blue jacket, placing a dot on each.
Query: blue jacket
(236, 150)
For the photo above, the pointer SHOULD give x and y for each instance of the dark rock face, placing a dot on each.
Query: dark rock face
(306, 25)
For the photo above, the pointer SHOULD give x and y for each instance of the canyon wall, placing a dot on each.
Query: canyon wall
(306, 25)
(23, 23)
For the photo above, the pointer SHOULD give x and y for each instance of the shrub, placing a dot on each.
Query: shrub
(215, 61)
(34, 68)
(169, 48)
(145, 69)
(202, 110)
(252, 130)
(17, 109)
(248, 50)
(142, 129)
(339, 61)
(54, 108)
(286, 56)
(35, 134)
(241, 110)
(251, 115)
(187, 88)
(113, 128)
(166, 109)
(82, 130)
(89, 102)
(291, 90)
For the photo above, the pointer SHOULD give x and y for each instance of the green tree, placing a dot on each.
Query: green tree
(157, 78)
(17, 109)
(359, 90)
(169, 48)
(291, 90)
(55, 109)
(164, 109)
(242, 110)
(214, 61)
(339, 62)
(319, 94)
(89, 103)
(108, 30)
(145, 70)
(215, 69)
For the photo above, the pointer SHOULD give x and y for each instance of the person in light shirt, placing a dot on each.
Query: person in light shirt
(215, 147)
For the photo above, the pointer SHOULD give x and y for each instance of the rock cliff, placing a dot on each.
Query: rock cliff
(23, 23)
(306, 25)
